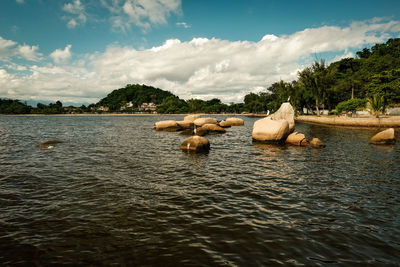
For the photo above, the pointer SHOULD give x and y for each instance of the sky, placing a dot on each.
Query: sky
(78, 51)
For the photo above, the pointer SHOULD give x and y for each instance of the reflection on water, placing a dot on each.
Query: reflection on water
(117, 192)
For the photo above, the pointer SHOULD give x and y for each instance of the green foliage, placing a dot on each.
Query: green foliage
(137, 94)
(377, 104)
(8, 106)
(351, 105)
(52, 108)
(172, 104)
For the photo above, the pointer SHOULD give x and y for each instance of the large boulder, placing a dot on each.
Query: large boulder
(231, 122)
(168, 125)
(268, 130)
(297, 139)
(195, 144)
(315, 142)
(285, 112)
(191, 117)
(385, 137)
(201, 121)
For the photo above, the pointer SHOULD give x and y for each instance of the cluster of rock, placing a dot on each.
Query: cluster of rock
(279, 127)
(194, 125)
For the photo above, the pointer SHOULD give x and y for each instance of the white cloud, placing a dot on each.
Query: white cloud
(141, 13)
(9, 49)
(29, 52)
(61, 56)
(183, 24)
(76, 13)
(201, 68)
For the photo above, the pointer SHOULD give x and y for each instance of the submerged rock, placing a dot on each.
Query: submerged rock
(297, 139)
(201, 121)
(195, 144)
(385, 137)
(285, 112)
(49, 144)
(315, 142)
(168, 125)
(268, 130)
(187, 132)
(213, 128)
(185, 124)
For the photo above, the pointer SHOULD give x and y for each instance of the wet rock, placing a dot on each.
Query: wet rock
(185, 124)
(201, 121)
(187, 132)
(297, 139)
(268, 130)
(191, 117)
(200, 131)
(231, 122)
(285, 112)
(168, 125)
(385, 137)
(49, 144)
(213, 128)
(315, 142)
(195, 144)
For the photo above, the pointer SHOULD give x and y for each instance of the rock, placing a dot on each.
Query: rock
(232, 122)
(191, 117)
(48, 144)
(169, 125)
(195, 144)
(200, 131)
(297, 139)
(385, 137)
(268, 130)
(285, 112)
(186, 132)
(185, 124)
(315, 142)
(210, 128)
(202, 121)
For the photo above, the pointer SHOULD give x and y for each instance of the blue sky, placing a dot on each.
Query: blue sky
(80, 50)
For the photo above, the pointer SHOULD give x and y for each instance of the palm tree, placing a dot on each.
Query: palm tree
(377, 104)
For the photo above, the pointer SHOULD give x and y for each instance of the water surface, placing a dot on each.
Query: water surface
(117, 192)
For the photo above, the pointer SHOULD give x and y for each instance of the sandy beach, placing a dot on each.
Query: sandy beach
(384, 121)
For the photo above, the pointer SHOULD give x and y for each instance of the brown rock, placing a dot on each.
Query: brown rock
(232, 122)
(268, 130)
(195, 144)
(213, 128)
(185, 124)
(191, 117)
(186, 132)
(201, 121)
(285, 112)
(297, 139)
(169, 126)
(315, 142)
(385, 137)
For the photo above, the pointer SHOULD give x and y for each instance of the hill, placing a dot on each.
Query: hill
(136, 94)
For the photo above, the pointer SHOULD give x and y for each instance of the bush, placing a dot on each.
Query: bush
(351, 105)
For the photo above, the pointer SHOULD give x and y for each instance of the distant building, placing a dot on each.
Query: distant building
(148, 107)
(127, 106)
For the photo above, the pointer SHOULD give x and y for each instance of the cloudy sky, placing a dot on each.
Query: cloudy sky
(78, 51)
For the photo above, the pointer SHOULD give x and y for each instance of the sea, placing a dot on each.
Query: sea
(116, 192)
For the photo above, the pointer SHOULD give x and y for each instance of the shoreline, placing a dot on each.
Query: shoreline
(115, 114)
(382, 122)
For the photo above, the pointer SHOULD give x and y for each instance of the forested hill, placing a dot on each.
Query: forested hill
(137, 94)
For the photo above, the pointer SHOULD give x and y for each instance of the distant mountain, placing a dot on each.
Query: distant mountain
(136, 94)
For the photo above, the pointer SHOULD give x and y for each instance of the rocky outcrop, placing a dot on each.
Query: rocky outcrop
(385, 137)
(191, 117)
(49, 144)
(195, 144)
(201, 121)
(268, 130)
(285, 112)
(297, 139)
(231, 122)
(168, 125)
(315, 142)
